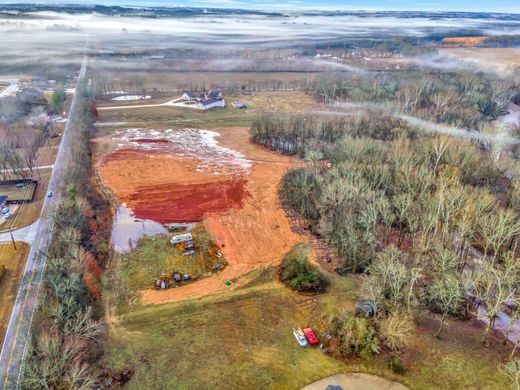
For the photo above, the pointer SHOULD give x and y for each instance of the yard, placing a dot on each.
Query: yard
(243, 339)
(14, 262)
(170, 116)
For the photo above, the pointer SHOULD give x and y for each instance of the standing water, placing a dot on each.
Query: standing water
(127, 230)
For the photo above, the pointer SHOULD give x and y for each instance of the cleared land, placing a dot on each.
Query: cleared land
(252, 230)
(463, 41)
(490, 59)
(14, 262)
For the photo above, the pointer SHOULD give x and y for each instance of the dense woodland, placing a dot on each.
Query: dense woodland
(431, 221)
(464, 99)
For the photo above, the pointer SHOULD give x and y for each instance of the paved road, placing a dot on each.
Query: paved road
(27, 169)
(17, 335)
(356, 381)
(26, 234)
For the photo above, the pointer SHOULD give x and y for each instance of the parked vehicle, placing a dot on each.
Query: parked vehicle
(8, 215)
(300, 337)
(6, 210)
(49, 194)
(181, 238)
(311, 336)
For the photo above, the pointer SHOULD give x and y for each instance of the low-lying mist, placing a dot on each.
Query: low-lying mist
(57, 38)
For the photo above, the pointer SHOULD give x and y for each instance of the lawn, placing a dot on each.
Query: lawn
(242, 339)
(150, 117)
(14, 262)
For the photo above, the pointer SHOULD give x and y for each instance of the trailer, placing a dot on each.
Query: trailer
(309, 333)
(180, 238)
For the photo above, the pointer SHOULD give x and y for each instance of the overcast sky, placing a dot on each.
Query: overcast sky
(508, 6)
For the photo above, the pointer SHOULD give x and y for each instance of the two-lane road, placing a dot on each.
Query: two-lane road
(18, 332)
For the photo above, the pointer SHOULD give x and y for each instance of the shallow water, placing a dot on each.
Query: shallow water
(127, 230)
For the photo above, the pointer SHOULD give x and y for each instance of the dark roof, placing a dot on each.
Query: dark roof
(209, 101)
(334, 387)
(213, 94)
(3, 198)
(190, 93)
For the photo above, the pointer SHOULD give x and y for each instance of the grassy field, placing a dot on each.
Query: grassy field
(155, 256)
(290, 102)
(242, 339)
(14, 262)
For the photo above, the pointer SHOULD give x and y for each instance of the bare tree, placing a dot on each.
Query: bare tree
(446, 293)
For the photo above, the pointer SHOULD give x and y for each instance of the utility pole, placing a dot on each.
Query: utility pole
(12, 239)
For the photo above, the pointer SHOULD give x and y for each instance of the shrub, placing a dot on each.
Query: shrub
(396, 364)
(297, 272)
(354, 336)
(395, 330)
(2, 271)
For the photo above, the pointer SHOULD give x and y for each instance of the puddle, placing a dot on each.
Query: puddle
(128, 230)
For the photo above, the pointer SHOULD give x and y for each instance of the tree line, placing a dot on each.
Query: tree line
(430, 221)
(67, 329)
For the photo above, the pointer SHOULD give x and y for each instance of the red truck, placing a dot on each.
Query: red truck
(311, 336)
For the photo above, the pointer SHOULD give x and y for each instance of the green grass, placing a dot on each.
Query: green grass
(155, 256)
(242, 339)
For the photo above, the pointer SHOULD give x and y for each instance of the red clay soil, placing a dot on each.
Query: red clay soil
(168, 189)
(169, 203)
(251, 237)
(241, 211)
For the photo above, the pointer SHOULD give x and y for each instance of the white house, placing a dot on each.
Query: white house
(189, 96)
(210, 103)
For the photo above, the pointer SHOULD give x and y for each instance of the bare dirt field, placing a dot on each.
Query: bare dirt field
(491, 59)
(463, 41)
(227, 182)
